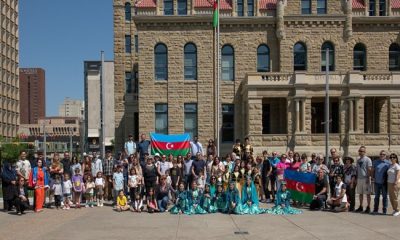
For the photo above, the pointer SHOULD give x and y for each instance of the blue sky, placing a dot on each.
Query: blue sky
(58, 36)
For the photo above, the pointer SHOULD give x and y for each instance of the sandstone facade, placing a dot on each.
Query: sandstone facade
(365, 104)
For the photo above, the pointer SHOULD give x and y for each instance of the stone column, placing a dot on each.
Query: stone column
(383, 115)
(358, 114)
(395, 116)
(351, 115)
(297, 102)
(303, 115)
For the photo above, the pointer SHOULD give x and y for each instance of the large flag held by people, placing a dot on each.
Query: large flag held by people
(301, 185)
(178, 144)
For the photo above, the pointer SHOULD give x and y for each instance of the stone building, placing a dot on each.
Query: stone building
(272, 72)
(9, 73)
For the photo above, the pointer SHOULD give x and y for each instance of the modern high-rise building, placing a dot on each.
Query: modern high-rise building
(9, 81)
(93, 105)
(32, 92)
(72, 108)
(273, 64)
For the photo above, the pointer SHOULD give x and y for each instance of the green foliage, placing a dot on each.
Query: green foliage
(10, 151)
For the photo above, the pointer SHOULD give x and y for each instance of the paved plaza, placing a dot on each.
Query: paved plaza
(104, 223)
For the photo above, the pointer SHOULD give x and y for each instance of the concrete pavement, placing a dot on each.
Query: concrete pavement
(105, 223)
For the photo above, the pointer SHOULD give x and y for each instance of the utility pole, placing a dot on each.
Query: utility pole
(327, 121)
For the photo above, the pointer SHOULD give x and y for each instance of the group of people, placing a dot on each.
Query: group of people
(198, 183)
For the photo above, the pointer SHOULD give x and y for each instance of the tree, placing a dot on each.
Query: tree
(10, 151)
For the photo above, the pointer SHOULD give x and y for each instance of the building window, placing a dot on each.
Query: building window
(240, 9)
(168, 7)
(274, 116)
(190, 62)
(250, 7)
(161, 62)
(324, 48)
(128, 47)
(318, 115)
(305, 6)
(394, 57)
(128, 82)
(360, 57)
(161, 118)
(128, 11)
(136, 43)
(300, 56)
(321, 7)
(263, 58)
(228, 63)
(382, 7)
(371, 9)
(228, 121)
(182, 7)
(191, 119)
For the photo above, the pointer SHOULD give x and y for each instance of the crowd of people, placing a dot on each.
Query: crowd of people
(200, 182)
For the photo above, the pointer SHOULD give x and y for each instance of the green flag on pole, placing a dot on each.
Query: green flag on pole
(216, 13)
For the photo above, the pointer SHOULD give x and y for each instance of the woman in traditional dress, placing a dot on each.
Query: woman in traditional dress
(220, 199)
(38, 180)
(182, 201)
(233, 200)
(194, 200)
(282, 202)
(250, 202)
(9, 183)
(207, 201)
(237, 177)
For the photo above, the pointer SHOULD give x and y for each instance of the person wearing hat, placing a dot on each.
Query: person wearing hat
(250, 201)
(282, 202)
(350, 173)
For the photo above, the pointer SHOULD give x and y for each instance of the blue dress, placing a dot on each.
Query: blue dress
(195, 202)
(282, 205)
(208, 203)
(220, 202)
(232, 197)
(182, 204)
(250, 201)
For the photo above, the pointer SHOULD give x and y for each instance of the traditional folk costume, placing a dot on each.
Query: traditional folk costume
(194, 201)
(250, 203)
(282, 203)
(38, 179)
(233, 202)
(182, 204)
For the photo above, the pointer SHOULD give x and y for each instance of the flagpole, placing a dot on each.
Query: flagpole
(218, 84)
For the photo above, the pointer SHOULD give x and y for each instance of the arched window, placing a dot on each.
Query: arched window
(182, 7)
(190, 61)
(228, 63)
(128, 11)
(394, 57)
(263, 58)
(161, 62)
(240, 8)
(250, 7)
(324, 48)
(300, 56)
(168, 7)
(359, 57)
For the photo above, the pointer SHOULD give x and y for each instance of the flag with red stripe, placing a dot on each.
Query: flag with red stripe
(175, 144)
(301, 185)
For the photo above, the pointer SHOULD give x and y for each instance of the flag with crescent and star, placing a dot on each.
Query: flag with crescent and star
(301, 185)
(176, 144)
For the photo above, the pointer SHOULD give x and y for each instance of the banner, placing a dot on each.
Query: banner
(178, 144)
(301, 185)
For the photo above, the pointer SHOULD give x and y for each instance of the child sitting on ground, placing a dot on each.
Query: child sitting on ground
(122, 202)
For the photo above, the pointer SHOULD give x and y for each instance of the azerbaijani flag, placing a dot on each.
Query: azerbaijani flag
(216, 14)
(178, 144)
(301, 185)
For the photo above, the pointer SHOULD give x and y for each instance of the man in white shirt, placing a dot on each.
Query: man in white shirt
(196, 147)
(23, 166)
(130, 146)
(97, 164)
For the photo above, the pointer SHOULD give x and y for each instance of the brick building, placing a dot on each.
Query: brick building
(9, 82)
(272, 75)
(32, 91)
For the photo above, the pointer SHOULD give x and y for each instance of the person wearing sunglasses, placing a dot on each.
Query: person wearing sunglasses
(364, 173)
(393, 180)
